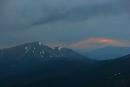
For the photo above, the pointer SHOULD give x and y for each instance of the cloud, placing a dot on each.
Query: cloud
(22, 14)
(98, 42)
(81, 11)
(78, 13)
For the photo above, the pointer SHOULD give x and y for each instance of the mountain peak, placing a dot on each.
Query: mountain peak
(38, 43)
(39, 50)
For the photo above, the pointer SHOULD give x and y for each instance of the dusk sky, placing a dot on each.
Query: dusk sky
(73, 23)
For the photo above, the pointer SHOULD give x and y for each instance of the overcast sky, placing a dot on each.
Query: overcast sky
(64, 21)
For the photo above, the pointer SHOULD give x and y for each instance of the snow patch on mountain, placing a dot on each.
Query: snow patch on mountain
(26, 49)
(40, 43)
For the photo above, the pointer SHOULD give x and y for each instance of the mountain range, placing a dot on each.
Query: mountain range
(106, 53)
(38, 65)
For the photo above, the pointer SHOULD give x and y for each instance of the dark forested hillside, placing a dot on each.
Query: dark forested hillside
(37, 65)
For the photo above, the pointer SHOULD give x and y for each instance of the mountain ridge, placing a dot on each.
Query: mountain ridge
(110, 52)
(71, 70)
(39, 50)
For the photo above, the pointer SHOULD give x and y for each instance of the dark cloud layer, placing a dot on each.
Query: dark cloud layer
(79, 13)
(22, 14)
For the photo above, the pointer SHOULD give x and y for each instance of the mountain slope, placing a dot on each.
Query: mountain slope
(32, 62)
(112, 73)
(38, 65)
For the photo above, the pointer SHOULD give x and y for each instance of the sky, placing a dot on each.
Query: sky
(78, 24)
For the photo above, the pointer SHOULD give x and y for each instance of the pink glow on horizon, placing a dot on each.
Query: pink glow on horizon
(103, 40)
(96, 42)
